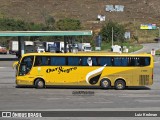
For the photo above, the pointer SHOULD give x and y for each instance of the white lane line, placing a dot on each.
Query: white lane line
(2, 67)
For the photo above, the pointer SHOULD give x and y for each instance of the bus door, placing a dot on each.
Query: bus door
(40, 65)
(25, 69)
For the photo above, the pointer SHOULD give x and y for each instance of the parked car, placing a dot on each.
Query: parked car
(3, 50)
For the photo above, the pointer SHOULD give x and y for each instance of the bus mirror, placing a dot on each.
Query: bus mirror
(15, 64)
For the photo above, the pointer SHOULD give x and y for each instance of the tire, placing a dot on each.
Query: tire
(120, 84)
(105, 83)
(17, 86)
(39, 84)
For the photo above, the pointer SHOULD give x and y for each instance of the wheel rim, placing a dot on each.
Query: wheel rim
(40, 84)
(120, 85)
(105, 83)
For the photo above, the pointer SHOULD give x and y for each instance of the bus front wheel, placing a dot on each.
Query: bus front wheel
(39, 83)
(120, 84)
(105, 83)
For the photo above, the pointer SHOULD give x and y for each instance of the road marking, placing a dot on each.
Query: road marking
(3, 67)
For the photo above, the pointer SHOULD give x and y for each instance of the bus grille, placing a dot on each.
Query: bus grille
(144, 80)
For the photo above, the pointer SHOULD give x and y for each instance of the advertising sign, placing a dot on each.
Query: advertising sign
(148, 26)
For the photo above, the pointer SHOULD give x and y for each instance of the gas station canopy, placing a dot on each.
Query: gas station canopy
(46, 33)
(21, 34)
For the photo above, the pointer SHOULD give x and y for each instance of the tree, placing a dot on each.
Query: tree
(11, 24)
(7, 24)
(68, 24)
(118, 32)
(50, 23)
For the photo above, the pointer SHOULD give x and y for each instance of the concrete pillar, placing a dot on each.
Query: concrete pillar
(20, 47)
(65, 44)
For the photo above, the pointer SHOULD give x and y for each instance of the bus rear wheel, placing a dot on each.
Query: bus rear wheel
(120, 84)
(105, 83)
(39, 83)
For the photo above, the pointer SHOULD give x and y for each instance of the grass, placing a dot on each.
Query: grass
(158, 52)
(135, 47)
(131, 47)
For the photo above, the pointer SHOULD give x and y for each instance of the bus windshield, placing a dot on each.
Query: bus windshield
(26, 65)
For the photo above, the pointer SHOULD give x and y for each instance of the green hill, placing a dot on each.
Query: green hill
(135, 12)
(143, 11)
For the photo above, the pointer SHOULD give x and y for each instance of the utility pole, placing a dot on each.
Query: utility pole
(159, 36)
(158, 31)
(112, 36)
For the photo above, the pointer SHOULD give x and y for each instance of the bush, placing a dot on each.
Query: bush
(118, 32)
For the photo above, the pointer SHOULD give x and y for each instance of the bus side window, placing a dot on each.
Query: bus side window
(144, 61)
(98, 61)
(105, 61)
(42, 61)
(108, 61)
(141, 61)
(84, 61)
(45, 60)
(48, 61)
(147, 61)
(136, 61)
(58, 61)
(38, 61)
(132, 61)
(89, 61)
(124, 61)
(73, 61)
(117, 61)
(94, 61)
(80, 61)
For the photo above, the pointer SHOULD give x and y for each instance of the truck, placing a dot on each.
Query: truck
(84, 47)
(29, 47)
(74, 47)
(39, 47)
(59, 45)
(13, 47)
(49, 46)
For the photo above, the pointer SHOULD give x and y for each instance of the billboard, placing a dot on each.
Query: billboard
(148, 26)
(127, 35)
(116, 8)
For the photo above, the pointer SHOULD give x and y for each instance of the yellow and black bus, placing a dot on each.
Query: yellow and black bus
(85, 69)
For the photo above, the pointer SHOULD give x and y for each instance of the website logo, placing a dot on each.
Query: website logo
(6, 114)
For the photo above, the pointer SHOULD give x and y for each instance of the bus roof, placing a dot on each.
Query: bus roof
(86, 54)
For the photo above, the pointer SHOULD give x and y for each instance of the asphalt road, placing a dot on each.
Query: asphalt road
(148, 47)
(64, 99)
(60, 98)
(7, 56)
